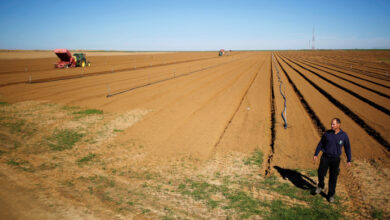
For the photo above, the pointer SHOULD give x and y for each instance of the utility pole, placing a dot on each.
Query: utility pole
(312, 41)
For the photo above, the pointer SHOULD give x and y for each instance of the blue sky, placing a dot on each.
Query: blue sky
(194, 25)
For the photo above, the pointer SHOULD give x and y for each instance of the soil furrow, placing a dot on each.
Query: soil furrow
(273, 132)
(369, 130)
(373, 104)
(350, 62)
(353, 186)
(349, 74)
(358, 71)
(170, 78)
(51, 79)
(347, 80)
(315, 119)
(377, 120)
(236, 110)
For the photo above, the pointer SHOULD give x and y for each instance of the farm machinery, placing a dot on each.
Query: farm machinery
(67, 60)
(223, 52)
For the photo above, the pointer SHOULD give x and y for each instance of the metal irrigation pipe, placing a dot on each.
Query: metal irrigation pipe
(284, 112)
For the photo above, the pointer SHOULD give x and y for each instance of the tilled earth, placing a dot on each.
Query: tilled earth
(191, 135)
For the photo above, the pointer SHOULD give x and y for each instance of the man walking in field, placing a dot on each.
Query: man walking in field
(330, 144)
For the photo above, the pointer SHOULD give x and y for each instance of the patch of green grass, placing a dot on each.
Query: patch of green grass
(234, 199)
(105, 196)
(86, 159)
(387, 60)
(21, 164)
(70, 108)
(89, 112)
(118, 130)
(169, 213)
(377, 214)
(271, 180)
(68, 183)
(3, 103)
(199, 190)
(15, 127)
(244, 182)
(48, 166)
(286, 189)
(316, 210)
(22, 127)
(145, 175)
(144, 211)
(101, 180)
(64, 139)
(311, 173)
(245, 204)
(318, 207)
(374, 163)
(255, 159)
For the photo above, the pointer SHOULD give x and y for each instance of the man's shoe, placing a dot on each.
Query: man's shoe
(331, 199)
(318, 190)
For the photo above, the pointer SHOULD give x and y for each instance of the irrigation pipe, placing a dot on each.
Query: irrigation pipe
(284, 112)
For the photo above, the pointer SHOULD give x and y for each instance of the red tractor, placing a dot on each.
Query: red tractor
(221, 52)
(67, 60)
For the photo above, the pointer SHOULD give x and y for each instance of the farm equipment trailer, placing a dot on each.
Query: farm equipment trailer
(67, 60)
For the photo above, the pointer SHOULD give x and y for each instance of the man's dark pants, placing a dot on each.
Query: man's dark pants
(333, 163)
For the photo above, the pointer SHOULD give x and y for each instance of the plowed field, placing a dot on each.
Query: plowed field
(143, 125)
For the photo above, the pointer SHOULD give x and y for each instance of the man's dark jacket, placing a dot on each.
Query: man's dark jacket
(332, 143)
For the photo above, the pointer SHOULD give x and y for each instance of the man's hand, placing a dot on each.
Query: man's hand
(315, 159)
(349, 164)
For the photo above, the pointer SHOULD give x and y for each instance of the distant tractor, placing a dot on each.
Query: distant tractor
(221, 52)
(67, 60)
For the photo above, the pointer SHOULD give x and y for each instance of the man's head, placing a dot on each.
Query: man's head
(335, 124)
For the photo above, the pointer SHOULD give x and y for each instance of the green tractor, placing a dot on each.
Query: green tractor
(81, 60)
(67, 60)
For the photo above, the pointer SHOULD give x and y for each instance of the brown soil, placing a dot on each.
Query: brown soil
(195, 111)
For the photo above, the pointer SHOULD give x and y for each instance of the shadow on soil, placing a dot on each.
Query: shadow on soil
(299, 180)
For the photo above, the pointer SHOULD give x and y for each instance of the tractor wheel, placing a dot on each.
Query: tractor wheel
(83, 63)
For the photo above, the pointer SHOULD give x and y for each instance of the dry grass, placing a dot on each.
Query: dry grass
(374, 176)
